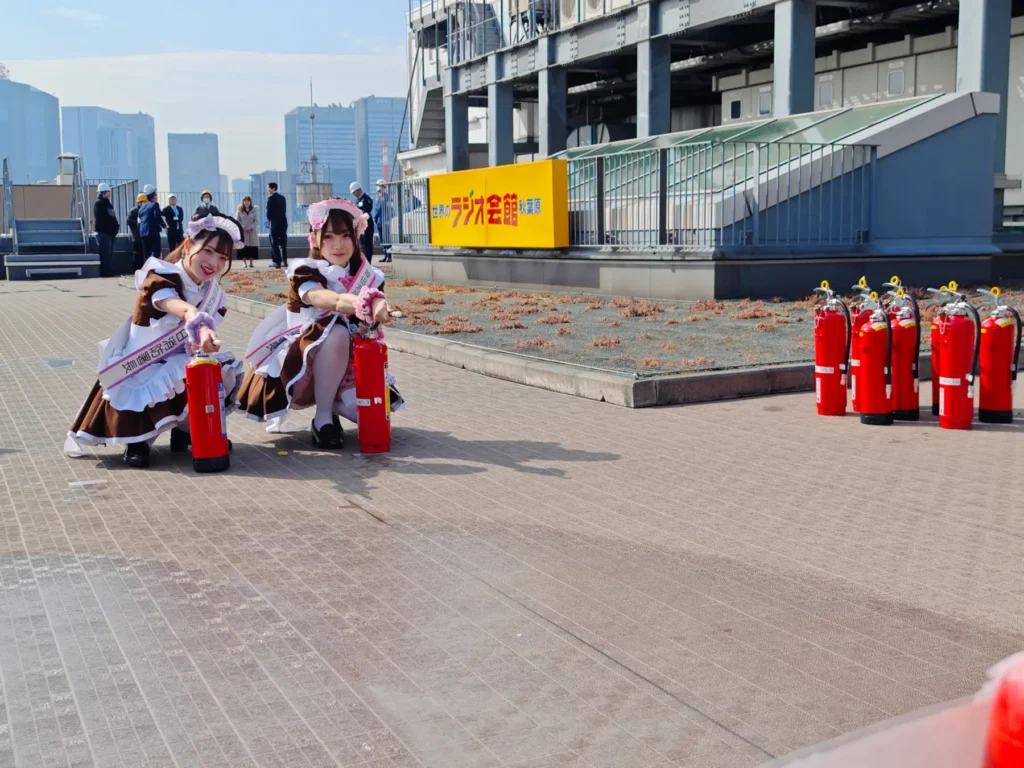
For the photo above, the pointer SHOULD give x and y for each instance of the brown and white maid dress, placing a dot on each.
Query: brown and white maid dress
(140, 391)
(282, 348)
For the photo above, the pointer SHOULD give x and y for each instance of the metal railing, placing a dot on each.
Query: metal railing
(228, 204)
(122, 197)
(81, 207)
(709, 195)
(476, 28)
(406, 223)
(7, 216)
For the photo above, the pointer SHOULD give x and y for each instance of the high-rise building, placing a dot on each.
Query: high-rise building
(379, 134)
(194, 160)
(258, 183)
(241, 187)
(335, 144)
(112, 145)
(224, 185)
(29, 132)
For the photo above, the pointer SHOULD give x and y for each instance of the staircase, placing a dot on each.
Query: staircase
(47, 249)
(429, 129)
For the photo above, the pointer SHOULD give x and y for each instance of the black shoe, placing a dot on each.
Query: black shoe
(329, 436)
(181, 440)
(137, 455)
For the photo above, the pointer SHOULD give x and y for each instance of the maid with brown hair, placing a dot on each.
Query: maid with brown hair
(140, 391)
(302, 353)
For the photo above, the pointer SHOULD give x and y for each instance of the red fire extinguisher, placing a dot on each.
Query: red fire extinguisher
(860, 313)
(373, 396)
(832, 336)
(905, 319)
(1000, 350)
(206, 418)
(876, 367)
(960, 339)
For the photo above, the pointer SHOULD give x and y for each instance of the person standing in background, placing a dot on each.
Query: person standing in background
(151, 224)
(248, 217)
(382, 218)
(173, 217)
(105, 222)
(205, 207)
(277, 217)
(364, 204)
(133, 225)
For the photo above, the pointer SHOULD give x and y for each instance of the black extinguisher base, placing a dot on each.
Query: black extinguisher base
(995, 417)
(910, 414)
(877, 419)
(216, 464)
(935, 409)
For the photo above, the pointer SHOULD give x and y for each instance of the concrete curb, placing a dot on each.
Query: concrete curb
(617, 389)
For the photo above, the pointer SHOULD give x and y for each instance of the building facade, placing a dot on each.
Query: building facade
(379, 135)
(241, 187)
(194, 162)
(29, 132)
(113, 146)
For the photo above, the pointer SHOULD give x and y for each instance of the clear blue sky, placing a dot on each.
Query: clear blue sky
(73, 28)
(233, 69)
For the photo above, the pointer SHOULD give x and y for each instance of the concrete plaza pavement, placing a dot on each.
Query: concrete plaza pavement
(528, 579)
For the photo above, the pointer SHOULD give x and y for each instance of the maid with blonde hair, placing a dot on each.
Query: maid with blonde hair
(302, 354)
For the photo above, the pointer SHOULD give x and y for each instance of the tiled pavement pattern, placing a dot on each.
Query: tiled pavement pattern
(527, 580)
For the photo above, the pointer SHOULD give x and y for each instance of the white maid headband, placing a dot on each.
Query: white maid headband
(212, 224)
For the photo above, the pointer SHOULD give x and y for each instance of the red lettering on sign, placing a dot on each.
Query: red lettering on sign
(494, 209)
(511, 210)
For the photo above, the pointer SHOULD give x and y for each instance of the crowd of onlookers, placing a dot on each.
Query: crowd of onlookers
(149, 223)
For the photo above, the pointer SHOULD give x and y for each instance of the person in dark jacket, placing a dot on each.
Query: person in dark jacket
(206, 207)
(277, 217)
(151, 224)
(174, 218)
(133, 225)
(105, 222)
(365, 204)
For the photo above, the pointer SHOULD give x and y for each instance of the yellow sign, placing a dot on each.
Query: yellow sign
(510, 206)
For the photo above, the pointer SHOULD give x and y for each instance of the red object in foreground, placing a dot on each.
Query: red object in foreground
(206, 418)
(936, 336)
(830, 345)
(956, 363)
(860, 316)
(373, 397)
(906, 401)
(1000, 345)
(1005, 744)
(876, 370)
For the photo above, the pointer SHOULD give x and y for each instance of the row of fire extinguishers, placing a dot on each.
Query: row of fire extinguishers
(871, 350)
(208, 421)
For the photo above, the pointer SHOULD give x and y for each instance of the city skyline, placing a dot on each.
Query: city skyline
(112, 145)
(194, 162)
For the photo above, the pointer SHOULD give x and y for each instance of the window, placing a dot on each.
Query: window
(825, 94)
(735, 109)
(896, 82)
(764, 104)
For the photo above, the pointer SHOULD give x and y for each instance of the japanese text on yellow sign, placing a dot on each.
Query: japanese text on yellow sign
(511, 206)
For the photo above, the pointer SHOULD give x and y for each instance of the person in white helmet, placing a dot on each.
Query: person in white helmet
(105, 222)
(364, 204)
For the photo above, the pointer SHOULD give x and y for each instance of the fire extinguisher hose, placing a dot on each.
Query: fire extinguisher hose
(917, 336)
(1016, 348)
(849, 342)
(977, 341)
(888, 364)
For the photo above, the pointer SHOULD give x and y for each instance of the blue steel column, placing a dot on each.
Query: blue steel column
(456, 123)
(793, 89)
(500, 147)
(552, 101)
(653, 87)
(983, 64)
